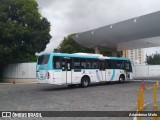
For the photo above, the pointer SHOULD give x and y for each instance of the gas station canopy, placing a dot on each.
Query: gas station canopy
(139, 32)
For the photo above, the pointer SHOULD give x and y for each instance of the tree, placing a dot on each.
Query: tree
(68, 45)
(153, 59)
(23, 31)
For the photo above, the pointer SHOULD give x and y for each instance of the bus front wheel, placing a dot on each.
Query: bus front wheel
(121, 78)
(85, 82)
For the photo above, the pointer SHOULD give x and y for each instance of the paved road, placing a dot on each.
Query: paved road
(44, 97)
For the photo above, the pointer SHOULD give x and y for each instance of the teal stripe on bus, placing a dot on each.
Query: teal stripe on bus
(118, 58)
(57, 70)
(113, 74)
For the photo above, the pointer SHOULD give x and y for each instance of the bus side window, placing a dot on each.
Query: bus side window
(123, 65)
(68, 66)
(112, 64)
(76, 63)
(119, 64)
(83, 63)
(89, 63)
(102, 64)
(109, 64)
(95, 64)
(56, 63)
(106, 64)
(63, 64)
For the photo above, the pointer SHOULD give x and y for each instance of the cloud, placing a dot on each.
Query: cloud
(150, 51)
(72, 16)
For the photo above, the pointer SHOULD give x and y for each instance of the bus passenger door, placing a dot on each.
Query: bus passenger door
(69, 72)
(102, 70)
(66, 71)
(128, 69)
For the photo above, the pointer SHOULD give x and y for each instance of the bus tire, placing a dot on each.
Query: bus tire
(121, 78)
(85, 81)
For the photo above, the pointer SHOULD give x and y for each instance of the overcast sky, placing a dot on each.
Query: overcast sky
(71, 16)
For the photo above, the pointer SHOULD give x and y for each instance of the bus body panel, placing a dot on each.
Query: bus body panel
(76, 76)
(103, 75)
(131, 75)
(66, 74)
(66, 77)
(95, 75)
(42, 76)
(114, 74)
(57, 77)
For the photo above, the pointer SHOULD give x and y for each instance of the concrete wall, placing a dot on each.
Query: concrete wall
(21, 72)
(146, 71)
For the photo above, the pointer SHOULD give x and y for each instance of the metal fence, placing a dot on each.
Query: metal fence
(28, 70)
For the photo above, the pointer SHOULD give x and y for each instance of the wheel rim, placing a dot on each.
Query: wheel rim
(85, 82)
(121, 79)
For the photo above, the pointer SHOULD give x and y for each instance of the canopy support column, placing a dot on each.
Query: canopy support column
(97, 51)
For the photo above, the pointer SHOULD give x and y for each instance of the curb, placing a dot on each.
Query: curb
(145, 80)
(19, 83)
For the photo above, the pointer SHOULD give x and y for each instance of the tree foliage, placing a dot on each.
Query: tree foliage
(68, 45)
(23, 31)
(153, 59)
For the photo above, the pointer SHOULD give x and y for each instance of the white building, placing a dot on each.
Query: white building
(136, 56)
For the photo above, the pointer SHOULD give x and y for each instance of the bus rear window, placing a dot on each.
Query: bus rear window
(43, 59)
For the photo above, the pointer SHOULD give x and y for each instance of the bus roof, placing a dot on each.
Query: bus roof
(87, 55)
(118, 58)
(74, 55)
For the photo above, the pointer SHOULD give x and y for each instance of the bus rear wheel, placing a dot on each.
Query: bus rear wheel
(85, 82)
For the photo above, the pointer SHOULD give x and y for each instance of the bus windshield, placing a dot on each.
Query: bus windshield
(43, 59)
(128, 66)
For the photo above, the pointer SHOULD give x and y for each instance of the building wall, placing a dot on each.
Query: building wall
(136, 56)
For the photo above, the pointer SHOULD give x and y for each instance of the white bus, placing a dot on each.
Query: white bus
(81, 68)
